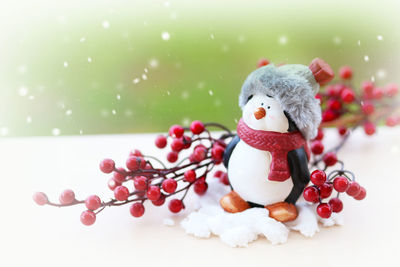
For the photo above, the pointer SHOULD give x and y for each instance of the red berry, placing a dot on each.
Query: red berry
(140, 183)
(224, 178)
(160, 201)
(320, 134)
(391, 90)
(172, 156)
(136, 152)
(197, 127)
(324, 210)
(161, 141)
(218, 173)
(345, 72)
(137, 209)
(187, 141)
(353, 189)
(342, 130)
(93, 202)
(121, 193)
(217, 152)
(40, 198)
(325, 190)
(133, 163)
(107, 165)
(169, 185)
(88, 217)
(112, 184)
(200, 187)
(377, 93)
(367, 107)
(67, 197)
(330, 159)
(347, 95)
(317, 147)
(369, 128)
(153, 193)
(190, 176)
(334, 104)
(262, 62)
(119, 176)
(340, 184)
(177, 145)
(336, 204)
(329, 115)
(318, 177)
(175, 205)
(199, 153)
(391, 121)
(176, 131)
(361, 195)
(368, 87)
(311, 194)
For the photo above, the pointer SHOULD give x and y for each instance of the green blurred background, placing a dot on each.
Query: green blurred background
(100, 67)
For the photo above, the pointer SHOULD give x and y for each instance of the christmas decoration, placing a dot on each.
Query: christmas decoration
(278, 142)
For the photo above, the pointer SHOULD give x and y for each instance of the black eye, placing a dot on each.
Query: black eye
(269, 96)
(262, 104)
(268, 107)
(250, 97)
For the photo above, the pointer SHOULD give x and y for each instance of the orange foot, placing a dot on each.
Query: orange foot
(233, 203)
(282, 211)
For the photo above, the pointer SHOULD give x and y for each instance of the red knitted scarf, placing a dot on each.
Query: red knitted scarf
(278, 144)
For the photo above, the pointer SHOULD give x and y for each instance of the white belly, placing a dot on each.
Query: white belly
(248, 171)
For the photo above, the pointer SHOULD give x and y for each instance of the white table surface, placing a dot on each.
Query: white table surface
(47, 236)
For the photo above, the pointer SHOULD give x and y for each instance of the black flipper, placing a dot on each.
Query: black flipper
(229, 148)
(298, 164)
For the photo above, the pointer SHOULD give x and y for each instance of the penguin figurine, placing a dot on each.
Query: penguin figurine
(267, 161)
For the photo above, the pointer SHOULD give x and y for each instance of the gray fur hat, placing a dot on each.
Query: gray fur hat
(294, 86)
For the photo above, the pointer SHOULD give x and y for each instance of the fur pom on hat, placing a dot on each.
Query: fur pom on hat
(294, 86)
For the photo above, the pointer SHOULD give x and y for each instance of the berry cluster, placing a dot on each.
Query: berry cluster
(141, 181)
(323, 187)
(345, 106)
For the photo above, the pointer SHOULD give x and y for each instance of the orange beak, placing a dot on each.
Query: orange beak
(260, 113)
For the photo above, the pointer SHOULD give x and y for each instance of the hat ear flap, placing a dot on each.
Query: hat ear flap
(321, 71)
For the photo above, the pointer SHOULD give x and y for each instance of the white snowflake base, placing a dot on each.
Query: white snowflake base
(240, 229)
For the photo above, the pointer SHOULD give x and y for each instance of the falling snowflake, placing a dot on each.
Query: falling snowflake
(23, 91)
(106, 24)
(185, 121)
(31, 97)
(68, 112)
(118, 97)
(210, 92)
(167, 4)
(114, 112)
(65, 64)
(337, 40)
(82, 39)
(359, 42)
(56, 132)
(146, 70)
(283, 40)
(22, 69)
(153, 63)
(379, 37)
(144, 77)
(89, 59)
(366, 58)
(212, 36)
(372, 78)
(381, 74)
(4, 131)
(185, 95)
(128, 113)
(136, 80)
(168, 93)
(241, 39)
(28, 119)
(165, 36)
